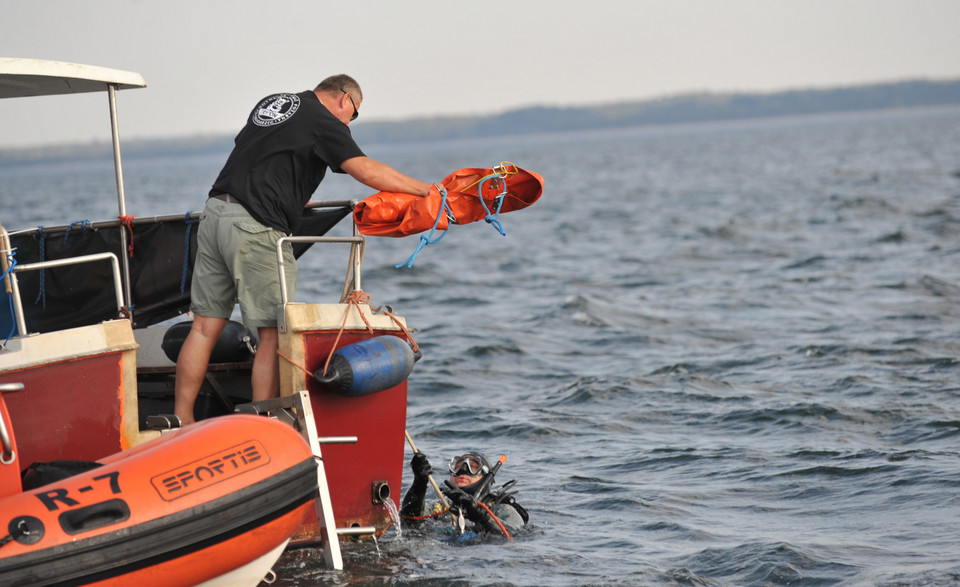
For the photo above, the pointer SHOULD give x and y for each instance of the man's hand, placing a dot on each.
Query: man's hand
(468, 506)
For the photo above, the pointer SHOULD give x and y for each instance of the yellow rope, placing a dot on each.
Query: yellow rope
(503, 170)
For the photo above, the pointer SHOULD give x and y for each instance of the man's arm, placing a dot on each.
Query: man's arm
(382, 177)
(412, 505)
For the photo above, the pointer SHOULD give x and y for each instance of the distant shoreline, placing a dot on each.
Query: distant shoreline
(679, 110)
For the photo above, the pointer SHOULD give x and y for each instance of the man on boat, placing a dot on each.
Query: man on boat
(278, 160)
(468, 497)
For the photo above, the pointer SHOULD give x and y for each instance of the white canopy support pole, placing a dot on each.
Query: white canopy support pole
(121, 197)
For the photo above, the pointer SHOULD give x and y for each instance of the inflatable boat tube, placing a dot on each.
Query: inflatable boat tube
(191, 506)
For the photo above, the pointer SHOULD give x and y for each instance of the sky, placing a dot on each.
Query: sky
(208, 62)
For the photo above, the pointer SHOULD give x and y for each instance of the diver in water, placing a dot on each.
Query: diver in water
(468, 496)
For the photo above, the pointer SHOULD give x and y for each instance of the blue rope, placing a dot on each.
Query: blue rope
(186, 255)
(83, 225)
(492, 219)
(12, 257)
(425, 239)
(42, 294)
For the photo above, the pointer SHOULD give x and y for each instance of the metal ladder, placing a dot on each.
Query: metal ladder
(301, 418)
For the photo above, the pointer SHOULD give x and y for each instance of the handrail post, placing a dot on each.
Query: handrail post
(11, 285)
(121, 197)
(18, 304)
(358, 243)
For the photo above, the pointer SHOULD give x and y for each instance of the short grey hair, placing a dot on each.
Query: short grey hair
(341, 81)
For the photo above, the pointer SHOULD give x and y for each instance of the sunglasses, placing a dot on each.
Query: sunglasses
(467, 465)
(356, 111)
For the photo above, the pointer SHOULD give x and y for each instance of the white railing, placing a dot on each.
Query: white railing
(13, 287)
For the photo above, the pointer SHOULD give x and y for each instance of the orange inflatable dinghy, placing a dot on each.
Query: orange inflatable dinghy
(470, 195)
(218, 500)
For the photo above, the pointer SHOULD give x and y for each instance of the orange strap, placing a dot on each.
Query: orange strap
(301, 367)
(428, 516)
(495, 519)
(356, 298)
(413, 343)
(444, 511)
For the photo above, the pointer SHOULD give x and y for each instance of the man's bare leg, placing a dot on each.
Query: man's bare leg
(266, 368)
(192, 364)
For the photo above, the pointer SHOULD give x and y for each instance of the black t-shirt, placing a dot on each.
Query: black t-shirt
(281, 156)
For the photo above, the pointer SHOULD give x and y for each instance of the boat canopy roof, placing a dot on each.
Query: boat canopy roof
(21, 78)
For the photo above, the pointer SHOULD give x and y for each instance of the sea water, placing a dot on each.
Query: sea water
(714, 354)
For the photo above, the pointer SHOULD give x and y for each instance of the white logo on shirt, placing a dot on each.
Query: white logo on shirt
(275, 109)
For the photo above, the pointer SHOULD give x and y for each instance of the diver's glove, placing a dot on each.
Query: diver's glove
(420, 466)
(412, 505)
(473, 511)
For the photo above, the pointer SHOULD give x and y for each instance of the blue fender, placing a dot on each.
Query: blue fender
(368, 366)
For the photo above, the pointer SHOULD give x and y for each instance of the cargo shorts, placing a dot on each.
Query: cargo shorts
(237, 262)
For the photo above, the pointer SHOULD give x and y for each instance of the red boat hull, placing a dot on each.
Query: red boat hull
(361, 473)
(79, 399)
